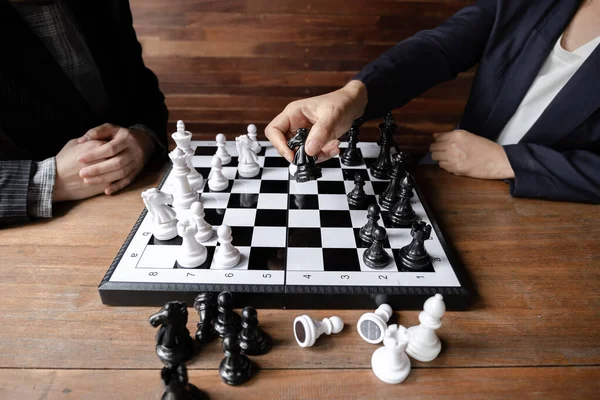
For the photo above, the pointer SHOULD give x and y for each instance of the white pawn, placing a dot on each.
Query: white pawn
(252, 135)
(217, 181)
(221, 150)
(191, 254)
(307, 330)
(183, 139)
(424, 344)
(372, 326)
(184, 194)
(226, 255)
(390, 363)
(204, 230)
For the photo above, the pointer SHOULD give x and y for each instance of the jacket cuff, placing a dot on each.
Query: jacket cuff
(160, 149)
(525, 182)
(41, 187)
(376, 93)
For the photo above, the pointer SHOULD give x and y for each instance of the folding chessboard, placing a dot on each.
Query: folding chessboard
(298, 241)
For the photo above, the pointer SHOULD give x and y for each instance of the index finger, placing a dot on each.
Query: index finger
(276, 131)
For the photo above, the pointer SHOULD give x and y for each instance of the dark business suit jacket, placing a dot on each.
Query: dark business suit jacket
(40, 109)
(559, 157)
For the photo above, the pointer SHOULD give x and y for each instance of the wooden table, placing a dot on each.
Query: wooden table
(533, 330)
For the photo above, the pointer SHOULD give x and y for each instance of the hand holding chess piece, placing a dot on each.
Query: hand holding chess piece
(306, 169)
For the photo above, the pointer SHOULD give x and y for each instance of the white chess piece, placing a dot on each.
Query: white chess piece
(248, 166)
(184, 194)
(164, 223)
(183, 140)
(372, 326)
(390, 363)
(255, 147)
(226, 255)
(204, 230)
(191, 254)
(217, 181)
(221, 150)
(424, 344)
(307, 330)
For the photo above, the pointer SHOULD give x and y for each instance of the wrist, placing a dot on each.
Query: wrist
(357, 92)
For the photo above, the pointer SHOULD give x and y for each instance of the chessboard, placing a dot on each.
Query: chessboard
(299, 244)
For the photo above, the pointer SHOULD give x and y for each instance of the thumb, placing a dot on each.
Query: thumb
(321, 133)
(102, 132)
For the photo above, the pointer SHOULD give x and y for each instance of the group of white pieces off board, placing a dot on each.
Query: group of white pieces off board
(185, 216)
(390, 363)
(242, 338)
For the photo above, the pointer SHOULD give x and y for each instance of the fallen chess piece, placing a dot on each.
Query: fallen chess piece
(253, 341)
(174, 345)
(372, 326)
(424, 344)
(177, 386)
(390, 363)
(164, 221)
(235, 368)
(308, 330)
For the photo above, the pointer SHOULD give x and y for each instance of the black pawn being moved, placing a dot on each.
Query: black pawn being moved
(235, 368)
(227, 322)
(253, 341)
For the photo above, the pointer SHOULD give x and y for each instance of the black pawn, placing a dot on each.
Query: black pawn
(177, 386)
(227, 322)
(174, 345)
(390, 195)
(352, 155)
(375, 256)
(252, 339)
(206, 306)
(357, 196)
(366, 232)
(401, 214)
(235, 368)
(414, 255)
(382, 166)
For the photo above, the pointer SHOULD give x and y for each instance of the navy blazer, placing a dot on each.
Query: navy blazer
(559, 157)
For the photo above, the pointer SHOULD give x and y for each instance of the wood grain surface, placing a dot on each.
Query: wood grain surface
(223, 64)
(533, 328)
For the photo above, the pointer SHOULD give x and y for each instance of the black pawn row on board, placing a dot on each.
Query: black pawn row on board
(307, 169)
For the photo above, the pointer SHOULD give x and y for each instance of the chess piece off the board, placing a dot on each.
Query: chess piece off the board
(414, 255)
(390, 363)
(352, 155)
(423, 343)
(372, 326)
(253, 341)
(375, 256)
(177, 386)
(235, 368)
(174, 345)
(184, 195)
(226, 255)
(248, 166)
(222, 150)
(205, 305)
(227, 321)
(217, 182)
(308, 330)
(164, 221)
(190, 254)
(204, 230)
(252, 133)
(373, 215)
(306, 167)
(183, 140)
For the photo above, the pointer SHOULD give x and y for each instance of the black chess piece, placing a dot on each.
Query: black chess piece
(352, 155)
(206, 306)
(227, 321)
(375, 256)
(402, 214)
(373, 215)
(357, 196)
(390, 195)
(177, 386)
(382, 166)
(235, 368)
(253, 341)
(307, 169)
(174, 345)
(414, 256)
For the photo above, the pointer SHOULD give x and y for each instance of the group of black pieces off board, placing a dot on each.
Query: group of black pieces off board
(396, 199)
(174, 346)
